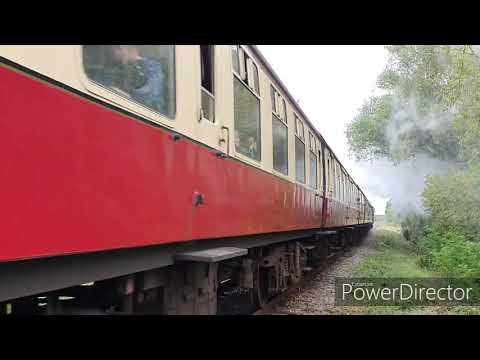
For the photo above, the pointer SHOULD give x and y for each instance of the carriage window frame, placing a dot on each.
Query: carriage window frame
(117, 98)
(300, 137)
(312, 142)
(273, 99)
(312, 184)
(204, 91)
(242, 58)
(236, 62)
(312, 150)
(285, 125)
(337, 181)
(279, 106)
(298, 125)
(237, 76)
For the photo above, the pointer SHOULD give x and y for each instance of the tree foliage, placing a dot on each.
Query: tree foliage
(366, 133)
(431, 105)
(453, 201)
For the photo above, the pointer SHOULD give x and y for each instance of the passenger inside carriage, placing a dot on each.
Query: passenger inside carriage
(140, 77)
(144, 73)
(248, 148)
(252, 147)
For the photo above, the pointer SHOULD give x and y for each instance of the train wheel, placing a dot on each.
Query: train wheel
(260, 291)
(259, 294)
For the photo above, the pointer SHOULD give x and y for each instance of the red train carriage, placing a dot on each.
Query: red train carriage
(154, 177)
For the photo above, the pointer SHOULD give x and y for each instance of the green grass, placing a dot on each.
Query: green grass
(394, 257)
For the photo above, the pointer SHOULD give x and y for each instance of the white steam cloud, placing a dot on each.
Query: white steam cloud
(407, 122)
(404, 182)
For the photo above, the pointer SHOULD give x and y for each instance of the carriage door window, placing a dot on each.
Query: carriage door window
(144, 74)
(207, 70)
(321, 168)
(313, 161)
(246, 105)
(279, 133)
(299, 150)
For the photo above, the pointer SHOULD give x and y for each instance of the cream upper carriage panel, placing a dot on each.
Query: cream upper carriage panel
(65, 64)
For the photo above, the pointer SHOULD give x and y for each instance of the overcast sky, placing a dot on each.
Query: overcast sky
(332, 82)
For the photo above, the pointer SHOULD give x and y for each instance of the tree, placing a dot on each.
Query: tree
(431, 105)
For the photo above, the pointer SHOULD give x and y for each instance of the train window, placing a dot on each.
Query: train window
(320, 167)
(235, 59)
(299, 160)
(280, 145)
(312, 142)
(337, 175)
(337, 181)
(342, 188)
(279, 107)
(313, 170)
(142, 73)
(349, 189)
(299, 150)
(299, 128)
(313, 160)
(331, 175)
(273, 95)
(334, 180)
(245, 68)
(253, 79)
(247, 121)
(207, 70)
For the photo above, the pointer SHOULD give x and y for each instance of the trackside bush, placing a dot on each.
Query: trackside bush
(453, 201)
(450, 254)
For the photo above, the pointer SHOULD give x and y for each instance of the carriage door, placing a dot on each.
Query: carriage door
(210, 129)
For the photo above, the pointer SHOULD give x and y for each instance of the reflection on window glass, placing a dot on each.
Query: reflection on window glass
(247, 121)
(313, 170)
(284, 114)
(280, 146)
(299, 160)
(208, 106)
(235, 59)
(207, 66)
(273, 98)
(256, 85)
(299, 128)
(208, 80)
(143, 73)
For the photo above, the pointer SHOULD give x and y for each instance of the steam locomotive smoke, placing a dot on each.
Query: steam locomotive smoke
(404, 182)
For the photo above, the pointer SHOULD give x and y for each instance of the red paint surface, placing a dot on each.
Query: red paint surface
(78, 177)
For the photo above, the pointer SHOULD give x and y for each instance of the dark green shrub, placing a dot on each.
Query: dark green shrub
(450, 254)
